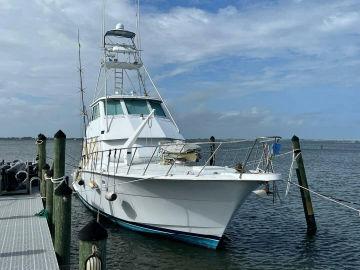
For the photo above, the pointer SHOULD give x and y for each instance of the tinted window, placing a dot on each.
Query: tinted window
(95, 112)
(137, 106)
(114, 107)
(157, 106)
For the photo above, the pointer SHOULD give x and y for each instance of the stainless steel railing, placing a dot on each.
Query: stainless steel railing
(251, 155)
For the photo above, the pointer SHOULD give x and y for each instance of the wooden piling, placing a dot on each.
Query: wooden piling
(41, 145)
(49, 198)
(92, 245)
(305, 194)
(59, 154)
(62, 234)
(44, 169)
(59, 158)
(61, 215)
(212, 149)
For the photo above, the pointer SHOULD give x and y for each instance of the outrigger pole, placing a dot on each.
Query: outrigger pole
(83, 109)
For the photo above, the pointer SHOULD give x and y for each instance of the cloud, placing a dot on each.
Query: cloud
(208, 58)
(189, 34)
(245, 123)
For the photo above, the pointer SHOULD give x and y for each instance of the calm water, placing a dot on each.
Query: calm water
(262, 235)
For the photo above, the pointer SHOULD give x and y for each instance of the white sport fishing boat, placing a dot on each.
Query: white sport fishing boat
(138, 170)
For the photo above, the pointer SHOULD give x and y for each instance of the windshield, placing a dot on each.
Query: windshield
(158, 109)
(114, 107)
(137, 106)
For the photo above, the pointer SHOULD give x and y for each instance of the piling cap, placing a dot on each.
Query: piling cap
(59, 134)
(93, 231)
(295, 138)
(41, 137)
(63, 190)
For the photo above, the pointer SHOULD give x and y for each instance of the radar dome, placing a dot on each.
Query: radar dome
(119, 26)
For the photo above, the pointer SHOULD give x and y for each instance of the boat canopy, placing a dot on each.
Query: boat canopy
(120, 33)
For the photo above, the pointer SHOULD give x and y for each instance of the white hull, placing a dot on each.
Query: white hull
(202, 208)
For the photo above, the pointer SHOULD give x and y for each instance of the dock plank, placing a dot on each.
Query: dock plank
(25, 240)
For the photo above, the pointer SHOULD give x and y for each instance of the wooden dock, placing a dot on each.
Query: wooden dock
(25, 240)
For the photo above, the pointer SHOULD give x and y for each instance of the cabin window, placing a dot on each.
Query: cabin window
(157, 106)
(137, 106)
(95, 112)
(113, 107)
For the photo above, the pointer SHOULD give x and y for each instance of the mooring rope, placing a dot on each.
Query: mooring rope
(294, 158)
(56, 180)
(329, 198)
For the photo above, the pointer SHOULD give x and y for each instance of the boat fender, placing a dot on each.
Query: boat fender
(21, 176)
(263, 192)
(111, 196)
(81, 182)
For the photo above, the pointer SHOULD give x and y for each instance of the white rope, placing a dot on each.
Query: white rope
(289, 182)
(294, 158)
(327, 198)
(56, 180)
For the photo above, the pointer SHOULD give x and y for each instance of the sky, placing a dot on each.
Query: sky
(231, 69)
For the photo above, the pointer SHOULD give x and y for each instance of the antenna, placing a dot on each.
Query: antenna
(83, 109)
(138, 39)
(103, 23)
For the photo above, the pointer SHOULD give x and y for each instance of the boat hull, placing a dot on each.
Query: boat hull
(199, 240)
(194, 211)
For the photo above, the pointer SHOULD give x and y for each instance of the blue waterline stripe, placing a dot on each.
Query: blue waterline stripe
(201, 240)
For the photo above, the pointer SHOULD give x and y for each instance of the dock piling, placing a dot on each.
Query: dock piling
(49, 197)
(212, 150)
(305, 194)
(62, 234)
(92, 246)
(61, 216)
(41, 148)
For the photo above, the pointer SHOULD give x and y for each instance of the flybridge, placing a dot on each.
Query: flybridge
(120, 70)
(124, 87)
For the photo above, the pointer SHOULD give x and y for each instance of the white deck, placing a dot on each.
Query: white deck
(25, 239)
